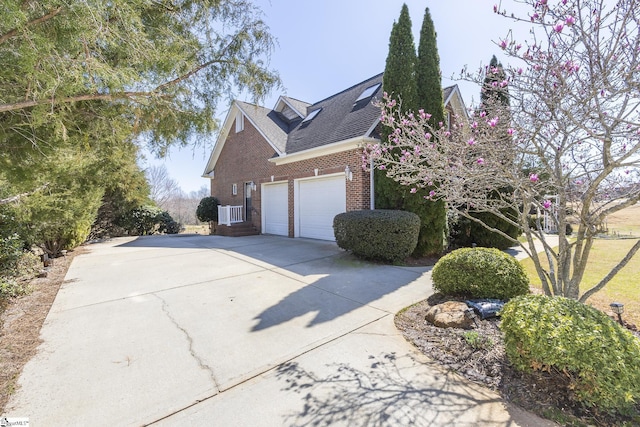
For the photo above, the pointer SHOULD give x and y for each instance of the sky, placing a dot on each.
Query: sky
(327, 46)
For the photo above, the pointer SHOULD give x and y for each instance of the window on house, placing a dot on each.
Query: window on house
(447, 118)
(239, 122)
(311, 115)
(234, 189)
(368, 92)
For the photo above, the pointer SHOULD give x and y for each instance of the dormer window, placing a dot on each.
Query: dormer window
(311, 115)
(368, 92)
(239, 122)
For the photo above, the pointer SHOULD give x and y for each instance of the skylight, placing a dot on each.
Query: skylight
(368, 92)
(311, 115)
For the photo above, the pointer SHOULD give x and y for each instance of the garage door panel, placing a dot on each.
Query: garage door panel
(320, 200)
(276, 209)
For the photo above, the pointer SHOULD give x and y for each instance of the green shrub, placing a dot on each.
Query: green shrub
(147, 220)
(207, 209)
(480, 273)
(167, 224)
(14, 281)
(466, 232)
(11, 249)
(600, 357)
(377, 234)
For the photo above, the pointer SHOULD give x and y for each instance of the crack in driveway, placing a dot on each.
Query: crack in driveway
(198, 359)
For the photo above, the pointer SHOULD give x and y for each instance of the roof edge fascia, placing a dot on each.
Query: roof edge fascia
(324, 150)
(224, 133)
(222, 136)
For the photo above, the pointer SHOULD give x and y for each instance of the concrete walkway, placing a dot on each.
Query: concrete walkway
(251, 331)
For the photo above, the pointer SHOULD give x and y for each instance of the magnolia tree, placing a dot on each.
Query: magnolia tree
(567, 144)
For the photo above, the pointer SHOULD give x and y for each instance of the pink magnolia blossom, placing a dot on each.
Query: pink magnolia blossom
(570, 20)
(493, 122)
(432, 193)
(546, 204)
(558, 27)
(480, 161)
(382, 167)
(474, 125)
(503, 44)
(510, 131)
(471, 141)
(413, 190)
(520, 70)
(533, 177)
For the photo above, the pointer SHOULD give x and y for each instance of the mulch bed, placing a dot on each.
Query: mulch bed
(20, 322)
(478, 355)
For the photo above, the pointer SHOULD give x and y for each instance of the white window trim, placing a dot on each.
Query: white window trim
(234, 189)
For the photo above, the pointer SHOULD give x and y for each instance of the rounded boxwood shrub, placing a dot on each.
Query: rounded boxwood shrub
(599, 357)
(377, 234)
(480, 273)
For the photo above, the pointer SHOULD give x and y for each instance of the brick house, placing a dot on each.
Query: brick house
(289, 170)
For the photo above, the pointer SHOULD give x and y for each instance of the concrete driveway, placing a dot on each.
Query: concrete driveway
(251, 331)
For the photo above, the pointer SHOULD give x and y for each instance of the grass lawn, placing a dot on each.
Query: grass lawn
(605, 254)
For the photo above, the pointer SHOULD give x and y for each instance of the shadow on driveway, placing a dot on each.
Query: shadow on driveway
(328, 281)
(390, 393)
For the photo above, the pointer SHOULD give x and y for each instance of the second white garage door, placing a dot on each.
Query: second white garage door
(275, 209)
(319, 201)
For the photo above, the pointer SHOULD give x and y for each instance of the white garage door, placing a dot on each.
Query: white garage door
(319, 201)
(275, 209)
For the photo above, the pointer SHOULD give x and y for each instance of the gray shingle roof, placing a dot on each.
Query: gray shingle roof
(339, 120)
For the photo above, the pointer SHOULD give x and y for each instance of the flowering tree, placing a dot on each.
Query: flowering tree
(568, 143)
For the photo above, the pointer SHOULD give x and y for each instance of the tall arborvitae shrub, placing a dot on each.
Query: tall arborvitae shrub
(399, 82)
(433, 214)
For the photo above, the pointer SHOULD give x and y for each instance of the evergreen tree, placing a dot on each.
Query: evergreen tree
(433, 214)
(398, 81)
(428, 76)
(414, 81)
(399, 78)
(491, 87)
(494, 95)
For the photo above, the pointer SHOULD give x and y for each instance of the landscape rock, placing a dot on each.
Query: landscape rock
(450, 314)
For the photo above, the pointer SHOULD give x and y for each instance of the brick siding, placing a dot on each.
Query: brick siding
(244, 158)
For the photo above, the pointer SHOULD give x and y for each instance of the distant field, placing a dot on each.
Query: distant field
(625, 287)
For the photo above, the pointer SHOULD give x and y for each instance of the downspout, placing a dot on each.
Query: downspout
(372, 187)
